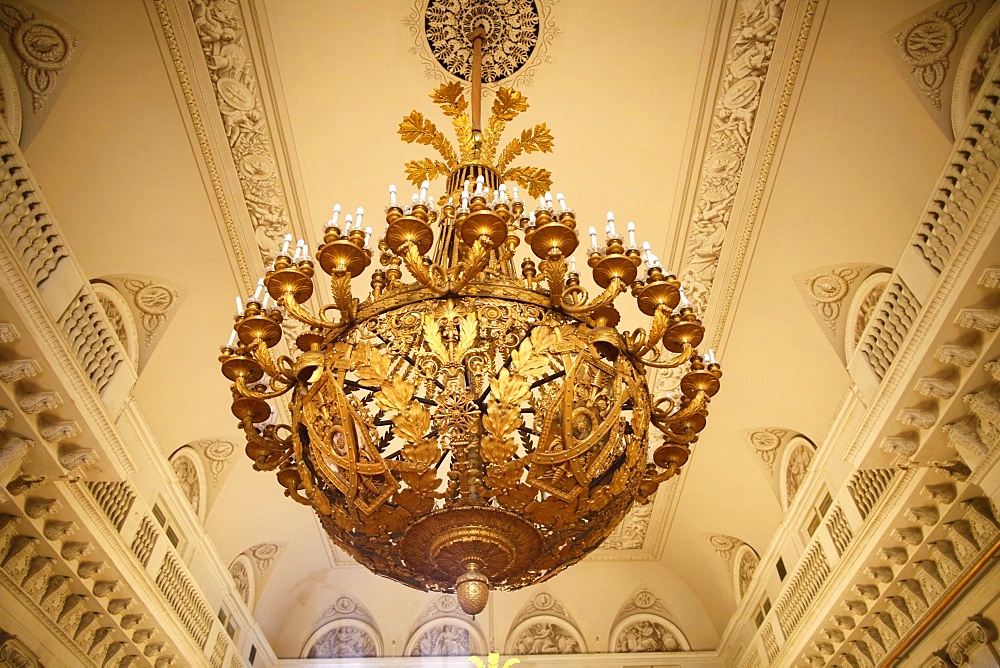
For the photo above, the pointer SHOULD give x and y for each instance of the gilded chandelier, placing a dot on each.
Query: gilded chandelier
(482, 424)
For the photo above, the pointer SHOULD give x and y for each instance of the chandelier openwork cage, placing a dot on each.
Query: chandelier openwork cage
(481, 424)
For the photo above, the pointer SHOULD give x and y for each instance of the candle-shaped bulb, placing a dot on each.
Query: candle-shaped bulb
(423, 190)
(611, 224)
(631, 234)
(267, 300)
(348, 220)
(709, 357)
(593, 239)
(258, 292)
(647, 254)
(392, 195)
(239, 305)
(357, 221)
(562, 201)
(368, 236)
(336, 215)
(288, 240)
(465, 199)
(301, 243)
(415, 198)
(515, 193)
(305, 252)
(684, 303)
(480, 180)
(232, 340)
(572, 264)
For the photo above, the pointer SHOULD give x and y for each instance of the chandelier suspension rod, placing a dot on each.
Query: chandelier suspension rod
(477, 38)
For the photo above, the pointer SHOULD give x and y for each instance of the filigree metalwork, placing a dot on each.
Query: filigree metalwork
(476, 427)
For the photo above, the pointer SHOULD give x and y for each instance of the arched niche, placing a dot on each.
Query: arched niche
(647, 632)
(343, 639)
(545, 634)
(446, 636)
(974, 64)
(10, 97)
(190, 476)
(795, 464)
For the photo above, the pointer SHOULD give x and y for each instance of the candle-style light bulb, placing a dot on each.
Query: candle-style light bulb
(336, 216)
(368, 236)
(593, 239)
(423, 190)
(348, 220)
(572, 264)
(541, 202)
(305, 252)
(562, 201)
(301, 243)
(631, 234)
(515, 193)
(611, 224)
(531, 217)
(267, 300)
(232, 340)
(709, 357)
(288, 238)
(684, 303)
(357, 221)
(392, 195)
(239, 305)
(647, 254)
(480, 180)
(259, 290)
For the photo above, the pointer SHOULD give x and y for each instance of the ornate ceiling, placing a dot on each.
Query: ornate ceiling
(776, 153)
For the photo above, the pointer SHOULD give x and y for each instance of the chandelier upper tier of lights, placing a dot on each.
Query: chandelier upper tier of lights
(483, 425)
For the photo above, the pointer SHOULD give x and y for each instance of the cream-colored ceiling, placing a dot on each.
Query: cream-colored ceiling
(628, 92)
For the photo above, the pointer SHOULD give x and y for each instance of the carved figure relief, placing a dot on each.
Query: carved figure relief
(187, 479)
(799, 456)
(518, 35)
(223, 38)
(828, 290)
(646, 636)
(747, 63)
(631, 533)
(746, 565)
(548, 637)
(241, 578)
(443, 640)
(347, 641)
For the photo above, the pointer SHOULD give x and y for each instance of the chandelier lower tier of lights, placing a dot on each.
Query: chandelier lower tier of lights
(483, 425)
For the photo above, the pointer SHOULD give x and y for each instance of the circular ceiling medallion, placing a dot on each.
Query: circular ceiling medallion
(512, 34)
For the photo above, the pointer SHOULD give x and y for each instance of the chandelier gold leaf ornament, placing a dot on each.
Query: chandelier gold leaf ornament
(482, 425)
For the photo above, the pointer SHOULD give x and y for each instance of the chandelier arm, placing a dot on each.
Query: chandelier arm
(302, 315)
(615, 288)
(662, 420)
(672, 363)
(241, 385)
(272, 446)
(554, 271)
(427, 275)
(263, 356)
(661, 477)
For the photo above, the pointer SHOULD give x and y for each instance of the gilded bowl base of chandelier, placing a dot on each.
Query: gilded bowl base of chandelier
(480, 424)
(472, 547)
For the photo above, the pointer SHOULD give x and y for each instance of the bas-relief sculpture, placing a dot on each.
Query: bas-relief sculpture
(646, 636)
(546, 638)
(347, 641)
(443, 640)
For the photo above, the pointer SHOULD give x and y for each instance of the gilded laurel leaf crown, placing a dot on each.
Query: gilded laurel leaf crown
(417, 129)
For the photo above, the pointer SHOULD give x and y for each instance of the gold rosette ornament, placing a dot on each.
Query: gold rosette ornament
(477, 422)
